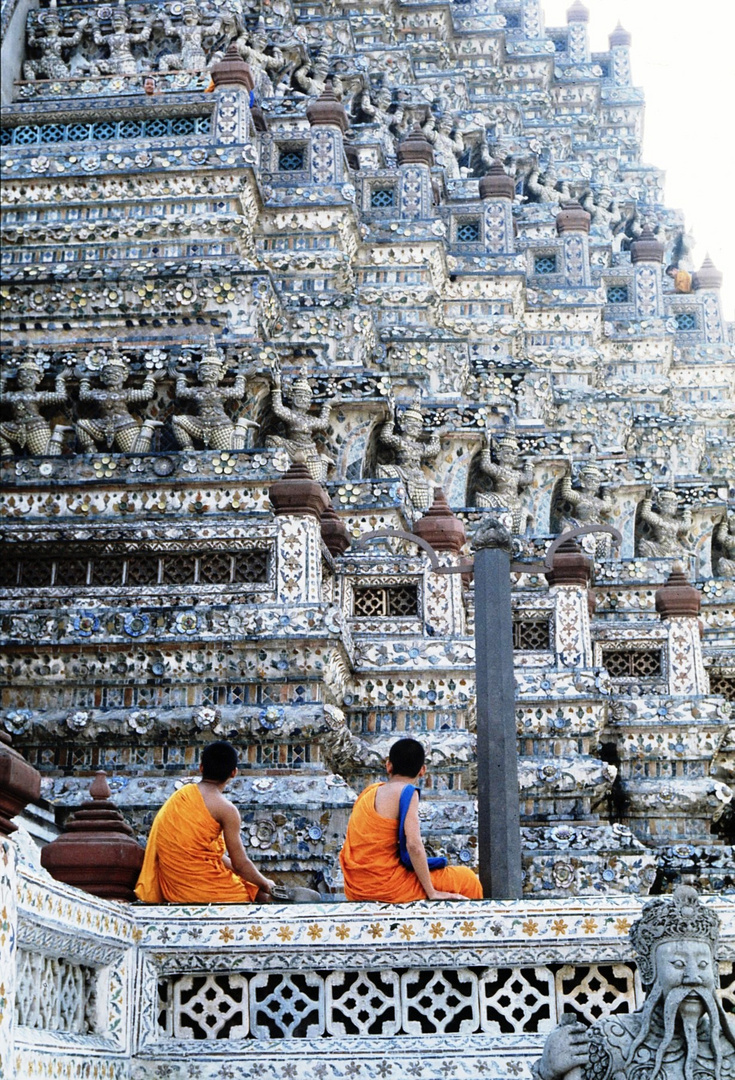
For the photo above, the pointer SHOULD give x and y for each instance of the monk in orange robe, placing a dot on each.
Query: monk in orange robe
(371, 858)
(194, 853)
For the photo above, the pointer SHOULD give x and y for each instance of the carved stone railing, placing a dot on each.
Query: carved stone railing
(340, 990)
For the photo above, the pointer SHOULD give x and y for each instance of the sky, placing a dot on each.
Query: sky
(683, 58)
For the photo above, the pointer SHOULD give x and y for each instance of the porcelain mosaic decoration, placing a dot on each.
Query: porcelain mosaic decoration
(400, 248)
(410, 249)
(329, 991)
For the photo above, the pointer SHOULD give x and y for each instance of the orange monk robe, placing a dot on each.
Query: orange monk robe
(372, 867)
(183, 857)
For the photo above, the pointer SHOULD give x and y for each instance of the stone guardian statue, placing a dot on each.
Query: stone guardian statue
(118, 41)
(53, 44)
(663, 532)
(410, 449)
(681, 1032)
(116, 428)
(723, 547)
(509, 478)
(300, 425)
(213, 426)
(29, 429)
(190, 33)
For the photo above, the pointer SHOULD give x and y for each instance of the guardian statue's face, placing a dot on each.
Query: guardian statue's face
(28, 379)
(684, 963)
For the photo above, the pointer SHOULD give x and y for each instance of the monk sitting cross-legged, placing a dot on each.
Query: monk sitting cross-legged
(383, 857)
(194, 853)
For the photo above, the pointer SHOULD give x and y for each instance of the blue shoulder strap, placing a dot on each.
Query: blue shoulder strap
(435, 863)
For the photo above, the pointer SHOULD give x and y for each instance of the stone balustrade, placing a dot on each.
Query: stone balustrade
(98, 990)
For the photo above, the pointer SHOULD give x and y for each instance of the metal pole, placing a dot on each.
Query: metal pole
(499, 832)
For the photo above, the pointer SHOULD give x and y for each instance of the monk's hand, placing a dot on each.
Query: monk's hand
(269, 886)
(438, 895)
(566, 1048)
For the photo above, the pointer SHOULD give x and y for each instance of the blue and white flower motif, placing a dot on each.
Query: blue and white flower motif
(85, 623)
(140, 721)
(78, 720)
(207, 718)
(18, 721)
(136, 623)
(187, 622)
(271, 717)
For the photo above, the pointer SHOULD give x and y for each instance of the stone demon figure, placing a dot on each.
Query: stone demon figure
(681, 1032)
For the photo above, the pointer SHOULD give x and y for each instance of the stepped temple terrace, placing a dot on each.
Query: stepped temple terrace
(359, 383)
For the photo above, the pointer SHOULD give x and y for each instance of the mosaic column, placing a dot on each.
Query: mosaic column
(8, 949)
(532, 21)
(569, 580)
(579, 46)
(497, 190)
(445, 532)
(678, 604)
(646, 256)
(328, 121)
(299, 503)
(233, 81)
(573, 226)
(707, 282)
(620, 41)
(415, 158)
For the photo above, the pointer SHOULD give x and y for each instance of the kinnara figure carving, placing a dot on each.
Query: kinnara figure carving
(190, 32)
(723, 547)
(28, 428)
(681, 1032)
(300, 425)
(410, 449)
(509, 478)
(663, 532)
(53, 44)
(116, 428)
(118, 41)
(212, 426)
(376, 106)
(447, 147)
(586, 505)
(252, 46)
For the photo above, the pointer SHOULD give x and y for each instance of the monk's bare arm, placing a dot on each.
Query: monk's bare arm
(417, 852)
(229, 819)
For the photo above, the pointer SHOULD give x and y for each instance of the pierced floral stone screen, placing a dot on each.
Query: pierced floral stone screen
(633, 663)
(531, 634)
(387, 600)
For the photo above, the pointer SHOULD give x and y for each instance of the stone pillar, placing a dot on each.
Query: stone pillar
(569, 579)
(678, 604)
(8, 950)
(298, 503)
(233, 81)
(707, 282)
(579, 47)
(498, 192)
(446, 533)
(498, 799)
(415, 158)
(647, 256)
(573, 226)
(620, 41)
(328, 121)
